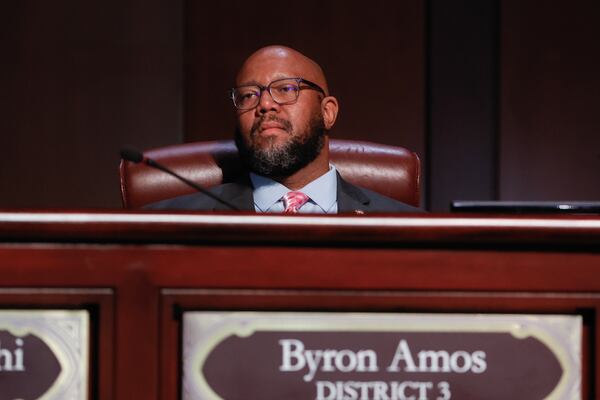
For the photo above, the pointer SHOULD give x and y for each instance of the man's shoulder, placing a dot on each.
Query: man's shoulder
(381, 203)
(350, 198)
(233, 191)
(354, 198)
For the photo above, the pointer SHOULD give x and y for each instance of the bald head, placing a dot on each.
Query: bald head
(273, 62)
(286, 140)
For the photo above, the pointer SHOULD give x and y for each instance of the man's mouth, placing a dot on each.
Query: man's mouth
(270, 125)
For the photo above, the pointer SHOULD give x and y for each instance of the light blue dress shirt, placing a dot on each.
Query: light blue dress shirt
(322, 193)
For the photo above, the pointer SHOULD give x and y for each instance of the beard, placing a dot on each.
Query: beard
(279, 161)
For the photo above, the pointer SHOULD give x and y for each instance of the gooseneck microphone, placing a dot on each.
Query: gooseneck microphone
(137, 157)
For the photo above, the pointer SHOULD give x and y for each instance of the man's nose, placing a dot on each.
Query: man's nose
(266, 103)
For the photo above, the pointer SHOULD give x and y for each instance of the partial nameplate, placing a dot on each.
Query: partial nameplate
(352, 356)
(44, 354)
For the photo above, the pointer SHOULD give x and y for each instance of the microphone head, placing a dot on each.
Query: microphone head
(132, 155)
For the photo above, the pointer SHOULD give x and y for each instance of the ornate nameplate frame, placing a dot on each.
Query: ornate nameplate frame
(376, 356)
(44, 354)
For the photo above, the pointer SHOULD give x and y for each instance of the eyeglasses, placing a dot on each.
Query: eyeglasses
(282, 91)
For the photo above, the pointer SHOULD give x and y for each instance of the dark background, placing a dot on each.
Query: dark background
(498, 97)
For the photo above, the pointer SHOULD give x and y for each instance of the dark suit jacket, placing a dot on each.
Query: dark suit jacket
(350, 199)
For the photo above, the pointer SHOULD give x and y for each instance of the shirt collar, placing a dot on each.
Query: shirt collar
(322, 191)
(266, 192)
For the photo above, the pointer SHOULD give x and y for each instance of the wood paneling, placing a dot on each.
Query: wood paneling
(550, 142)
(79, 80)
(462, 92)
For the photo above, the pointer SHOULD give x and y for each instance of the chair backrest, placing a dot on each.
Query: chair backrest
(388, 170)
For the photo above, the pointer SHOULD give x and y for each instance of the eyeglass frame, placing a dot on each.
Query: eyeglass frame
(261, 88)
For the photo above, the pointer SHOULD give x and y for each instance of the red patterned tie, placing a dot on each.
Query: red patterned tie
(292, 202)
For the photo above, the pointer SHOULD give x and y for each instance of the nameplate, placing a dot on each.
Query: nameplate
(356, 356)
(43, 354)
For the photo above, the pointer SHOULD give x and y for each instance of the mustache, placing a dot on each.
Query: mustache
(287, 125)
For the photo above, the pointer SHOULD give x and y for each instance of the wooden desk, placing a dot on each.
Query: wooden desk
(136, 272)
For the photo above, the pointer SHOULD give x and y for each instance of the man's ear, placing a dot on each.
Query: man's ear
(329, 108)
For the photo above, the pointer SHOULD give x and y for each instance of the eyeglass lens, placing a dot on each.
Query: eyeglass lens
(283, 91)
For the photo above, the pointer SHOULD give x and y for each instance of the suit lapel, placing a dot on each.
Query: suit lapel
(239, 194)
(350, 198)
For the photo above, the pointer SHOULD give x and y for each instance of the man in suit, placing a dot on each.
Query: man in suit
(284, 114)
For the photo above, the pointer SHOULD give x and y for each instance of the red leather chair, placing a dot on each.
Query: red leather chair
(388, 170)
